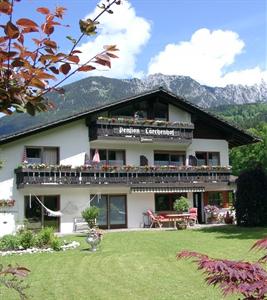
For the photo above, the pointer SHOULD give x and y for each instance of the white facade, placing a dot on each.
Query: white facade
(73, 142)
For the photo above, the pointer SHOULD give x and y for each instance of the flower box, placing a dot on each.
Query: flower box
(7, 203)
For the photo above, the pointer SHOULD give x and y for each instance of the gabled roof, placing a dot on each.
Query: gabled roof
(239, 136)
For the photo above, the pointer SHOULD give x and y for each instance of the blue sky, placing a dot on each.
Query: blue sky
(215, 42)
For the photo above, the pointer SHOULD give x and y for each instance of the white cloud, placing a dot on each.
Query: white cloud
(204, 58)
(124, 29)
(245, 77)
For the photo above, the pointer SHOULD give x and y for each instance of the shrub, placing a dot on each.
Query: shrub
(234, 277)
(181, 204)
(45, 237)
(26, 239)
(56, 244)
(90, 214)
(251, 198)
(12, 278)
(9, 242)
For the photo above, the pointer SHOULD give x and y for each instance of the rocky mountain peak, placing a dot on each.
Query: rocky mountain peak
(95, 91)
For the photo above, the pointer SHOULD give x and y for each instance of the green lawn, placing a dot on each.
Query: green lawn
(134, 265)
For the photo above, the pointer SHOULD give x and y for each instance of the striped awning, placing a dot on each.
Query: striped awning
(146, 189)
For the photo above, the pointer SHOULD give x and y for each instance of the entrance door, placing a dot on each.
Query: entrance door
(113, 211)
(37, 216)
(197, 202)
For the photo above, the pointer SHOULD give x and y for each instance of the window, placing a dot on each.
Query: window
(39, 155)
(169, 158)
(37, 216)
(33, 155)
(208, 158)
(110, 157)
(139, 109)
(160, 111)
(164, 202)
(215, 198)
(125, 111)
(151, 109)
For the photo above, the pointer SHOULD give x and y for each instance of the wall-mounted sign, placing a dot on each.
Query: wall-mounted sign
(144, 131)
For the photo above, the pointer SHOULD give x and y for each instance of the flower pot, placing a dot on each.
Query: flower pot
(229, 220)
(93, 239)
(181, 226)
(213, 220)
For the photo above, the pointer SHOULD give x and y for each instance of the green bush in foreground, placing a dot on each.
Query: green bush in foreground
(25, 239)
(9, 242)
(45, 237)
(56, 244)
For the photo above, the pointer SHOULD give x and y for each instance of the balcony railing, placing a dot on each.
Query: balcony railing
(124, 175)
(141, 130)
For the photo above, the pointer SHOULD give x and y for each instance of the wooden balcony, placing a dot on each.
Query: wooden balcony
(120, 176)
(144, 131)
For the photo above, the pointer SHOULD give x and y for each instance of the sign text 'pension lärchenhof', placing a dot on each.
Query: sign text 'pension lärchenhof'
(145, 131)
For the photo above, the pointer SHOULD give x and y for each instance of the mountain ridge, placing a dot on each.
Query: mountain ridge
(95, 91)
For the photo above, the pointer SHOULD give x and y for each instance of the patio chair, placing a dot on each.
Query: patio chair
(193, 215)
(154, 219)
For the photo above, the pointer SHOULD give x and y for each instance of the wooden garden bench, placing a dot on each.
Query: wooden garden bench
(79, 224)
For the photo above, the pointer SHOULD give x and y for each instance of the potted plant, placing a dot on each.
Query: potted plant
(181, 224)
(94, 238)
(212, 212)
(90, 215)
(228, 218)
(181, 205)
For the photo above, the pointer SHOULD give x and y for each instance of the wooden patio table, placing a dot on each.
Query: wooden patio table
(175, 217)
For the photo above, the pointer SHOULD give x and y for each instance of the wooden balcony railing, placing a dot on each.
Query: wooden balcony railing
(141, 130)
(125, 175)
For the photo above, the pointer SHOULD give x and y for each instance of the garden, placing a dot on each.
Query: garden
(133, 265)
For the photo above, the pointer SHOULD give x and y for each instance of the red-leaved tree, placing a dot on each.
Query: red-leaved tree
(31, 64)
(12, 278)
(234, 277)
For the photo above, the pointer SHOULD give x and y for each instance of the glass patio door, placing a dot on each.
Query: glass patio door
(37, 216)
(102, 203)
(113, 211)
(117, 211)
(51, 202)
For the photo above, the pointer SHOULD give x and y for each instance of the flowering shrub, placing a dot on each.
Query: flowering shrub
(97, 233)
(7, 203)
(212, 213)
(211, 209)
(246, 278)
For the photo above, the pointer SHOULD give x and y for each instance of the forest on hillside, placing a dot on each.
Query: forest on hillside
(253, 118)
